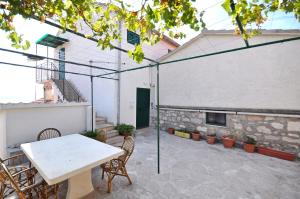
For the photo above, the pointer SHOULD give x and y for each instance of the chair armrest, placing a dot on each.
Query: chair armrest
(14, 157)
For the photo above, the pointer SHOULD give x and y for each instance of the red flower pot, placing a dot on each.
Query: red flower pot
(171, 130)
(277, 154)
(228, 142)
(211, 139)
(250, 148)
(196, 135)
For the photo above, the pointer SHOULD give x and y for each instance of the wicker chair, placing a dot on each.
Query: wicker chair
(48, 133)
(26, 183)
(14, 164)
(118, 166)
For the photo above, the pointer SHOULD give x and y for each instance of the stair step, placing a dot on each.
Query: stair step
(115, 141)
(105, 127)
(99, 118)
(99, 122)
(112, 133)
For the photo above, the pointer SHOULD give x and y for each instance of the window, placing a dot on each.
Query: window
(133, 38)
(216, 119)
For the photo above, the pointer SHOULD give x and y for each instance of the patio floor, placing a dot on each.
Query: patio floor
(193, 170)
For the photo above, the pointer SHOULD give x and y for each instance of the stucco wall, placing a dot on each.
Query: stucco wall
(105, 91)
(21, 123)
(263, 77)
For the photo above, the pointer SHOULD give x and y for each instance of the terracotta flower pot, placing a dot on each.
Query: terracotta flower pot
(277, 154)
(250, 148)
(211, 139)
(228, 142)
(196, 135)
(171, 130)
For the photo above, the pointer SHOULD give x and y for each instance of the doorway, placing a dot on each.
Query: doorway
(61, 56)
(142, 107)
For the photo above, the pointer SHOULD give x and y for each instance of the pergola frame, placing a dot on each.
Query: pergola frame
(156, 64)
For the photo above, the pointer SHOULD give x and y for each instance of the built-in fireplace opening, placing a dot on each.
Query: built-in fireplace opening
(218, 119)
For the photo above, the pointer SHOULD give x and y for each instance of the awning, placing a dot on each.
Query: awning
(51, 41)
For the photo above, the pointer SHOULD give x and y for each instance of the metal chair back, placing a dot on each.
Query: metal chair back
(48, 133)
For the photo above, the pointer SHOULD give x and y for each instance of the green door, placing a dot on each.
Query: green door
(61, 56)
(142, 107)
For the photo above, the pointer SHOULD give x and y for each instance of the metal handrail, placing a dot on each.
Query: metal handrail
(53, 74)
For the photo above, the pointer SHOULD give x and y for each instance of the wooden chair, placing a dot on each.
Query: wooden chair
(48, 133)
(27, 183)
(118, 166)
(14, 164)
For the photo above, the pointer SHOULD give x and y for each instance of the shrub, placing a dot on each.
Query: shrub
(125, 129)
(249, 140)
(90, 134)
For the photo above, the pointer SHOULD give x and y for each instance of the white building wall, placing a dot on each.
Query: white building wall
(264, 77)
(82, 50)
(132, 80)
(105, 91)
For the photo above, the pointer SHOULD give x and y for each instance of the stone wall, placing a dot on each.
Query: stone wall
(278, 132)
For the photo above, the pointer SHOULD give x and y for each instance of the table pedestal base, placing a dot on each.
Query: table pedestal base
(80, 185)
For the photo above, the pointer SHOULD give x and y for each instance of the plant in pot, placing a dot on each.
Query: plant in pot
(196, 135)
(211, 138)
(90, 134)
(249, 144)
(183, 133)
(171, 130)
(125, 129)
(229, 140)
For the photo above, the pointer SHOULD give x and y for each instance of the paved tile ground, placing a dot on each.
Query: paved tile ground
(195, 170)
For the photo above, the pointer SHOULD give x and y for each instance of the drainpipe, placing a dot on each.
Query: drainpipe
(119, 61)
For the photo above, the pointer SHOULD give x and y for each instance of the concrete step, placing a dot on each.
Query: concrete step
(105, 127)
(112, 133)
(101, 121)
(100, 118)
(115, 141)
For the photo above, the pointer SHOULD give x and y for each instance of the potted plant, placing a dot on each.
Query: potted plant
(249, 144)
(276, 153)
(101, 136)
(228, 141)
(171, 130)
(183, 134)
(211, 138)
(90, 134)
(196, 135)
(125, 129)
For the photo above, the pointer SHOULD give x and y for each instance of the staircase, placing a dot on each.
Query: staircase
(46, 73)
(113, 137)
(68, 90)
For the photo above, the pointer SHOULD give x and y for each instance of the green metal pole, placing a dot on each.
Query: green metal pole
(158, 120)
(92, 101)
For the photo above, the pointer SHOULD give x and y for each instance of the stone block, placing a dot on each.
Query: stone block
(293, 135)
(272, 137)
(201, 128)
(255, 118)
(237, 126)
(249, 128)
(196, 121)
(277, 125)
(291, 140)
(269, 118)
(293, 126)
(263, 129)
